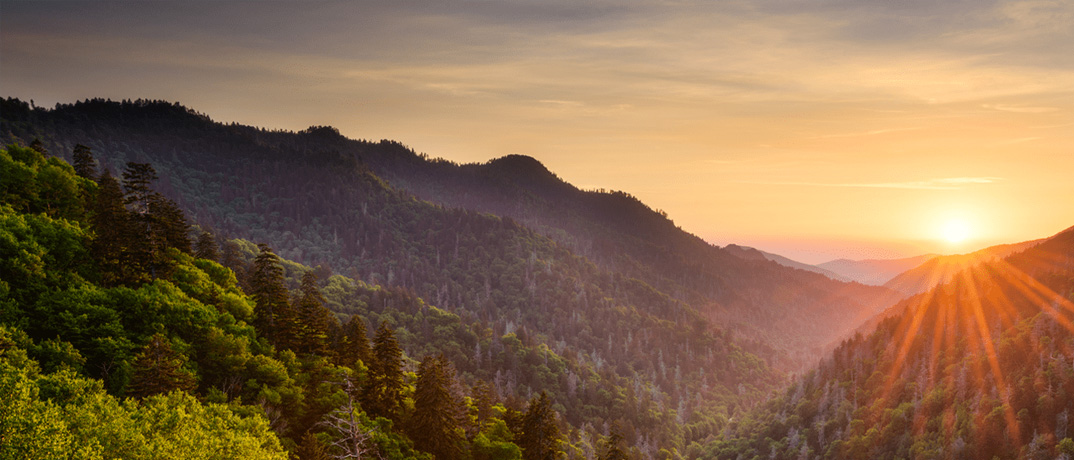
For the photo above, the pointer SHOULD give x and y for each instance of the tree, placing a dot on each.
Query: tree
(311, 448)
(540, 433)
(354, 345)
(611, 450)
(352, 439)
(206, 248)
(85, 165)
(39, 147)
(121, 260)
(384, 388)
(168, 225)
(434, 425)
(136, 183)
(268, 290)
(312, 319)
(159, 369)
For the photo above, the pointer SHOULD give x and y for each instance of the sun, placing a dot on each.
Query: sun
(955, 231)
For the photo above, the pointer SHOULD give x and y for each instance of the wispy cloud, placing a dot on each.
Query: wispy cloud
(946, 183)
(1020, 109)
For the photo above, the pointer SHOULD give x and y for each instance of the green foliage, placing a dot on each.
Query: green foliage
(159, 369)
(540, 436)
(436, 425)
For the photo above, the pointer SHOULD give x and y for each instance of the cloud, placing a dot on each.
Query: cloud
(947, 183)
(1020, 109)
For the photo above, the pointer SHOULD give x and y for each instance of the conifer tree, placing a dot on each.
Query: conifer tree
(169, 228)
(159, 369)
(85, 165)
(269, 293)
(435, 424)
(206, 247)
(354, 344)
(539, 439)
(612, 449)
(115, 245)
(312, 319)
(136, 184)
(384, 389)
(39, 147)
(311, 448)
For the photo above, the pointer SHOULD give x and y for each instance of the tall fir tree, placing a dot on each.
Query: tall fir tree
(353, 346)
(540, 435)
(159, 369)
(312, 319)
(612, 449)
(137, 180)
(85, 165)
(169, 228)
(383, 392)
(435, 425)
(206, 247)
(270, 294)
(120, 257)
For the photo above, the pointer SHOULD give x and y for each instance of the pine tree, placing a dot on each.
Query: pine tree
(383, 392)
(159, 369)
(539, 439)
(206, 248)
(85, 165)
(354, 345)
(39, 147)
(435, 424)
(120, 258)
(611, 450)
(312, 319)
(269, 293)
(136, 184)
(169, 228)
(311, 448)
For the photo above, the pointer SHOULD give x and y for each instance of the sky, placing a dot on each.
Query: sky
(815, 129)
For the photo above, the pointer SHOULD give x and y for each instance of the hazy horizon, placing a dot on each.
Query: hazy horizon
(813, 130)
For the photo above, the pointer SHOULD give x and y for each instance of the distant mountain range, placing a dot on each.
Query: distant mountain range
(939, 270)
(748, 253)
(235, 177)
(874, 272)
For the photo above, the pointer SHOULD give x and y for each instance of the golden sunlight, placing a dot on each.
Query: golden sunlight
(955, 231)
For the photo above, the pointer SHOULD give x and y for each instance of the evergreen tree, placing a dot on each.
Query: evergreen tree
(312, 319)
(136, 184)
(484, 398)
(169, 228)
(206, 248)
(159, 369)
(85, 165)
(611, 450)
(39, 147)
(540, 436)
(119, 256)
(231, 257)
(435, 424)
(354, 344)
(383, 391)
(269, 292)
(311, 448)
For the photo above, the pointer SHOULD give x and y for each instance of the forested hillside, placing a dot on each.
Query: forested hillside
(526, 325)
(300, 192)
(981, 367)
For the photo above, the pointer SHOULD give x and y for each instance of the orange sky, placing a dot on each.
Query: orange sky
(813, 129)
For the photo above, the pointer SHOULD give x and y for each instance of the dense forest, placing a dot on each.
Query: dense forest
(173, 287)
(302, 193)
(980, 367)
(87, 252)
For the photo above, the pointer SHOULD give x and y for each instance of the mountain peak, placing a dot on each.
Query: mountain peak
(520, 164)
